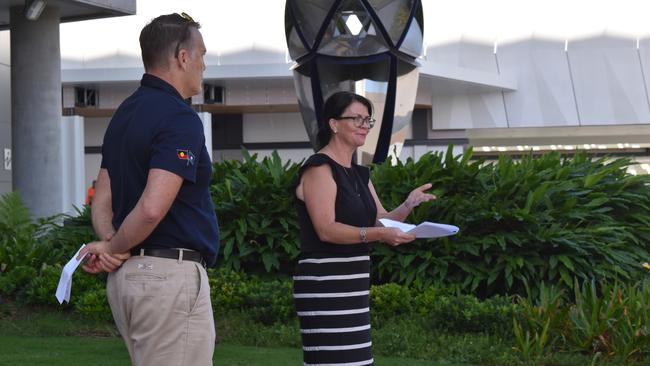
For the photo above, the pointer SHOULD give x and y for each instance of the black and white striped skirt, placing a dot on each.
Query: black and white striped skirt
(331, 297)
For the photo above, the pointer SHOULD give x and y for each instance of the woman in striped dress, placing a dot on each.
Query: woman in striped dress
(338, 211)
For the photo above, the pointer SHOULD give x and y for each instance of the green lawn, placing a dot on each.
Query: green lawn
(46, 337)
(110, 351)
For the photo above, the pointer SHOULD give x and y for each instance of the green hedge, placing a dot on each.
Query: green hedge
(259, 227)
(539, 219)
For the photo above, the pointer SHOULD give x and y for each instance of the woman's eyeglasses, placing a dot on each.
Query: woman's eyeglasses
(359, 121)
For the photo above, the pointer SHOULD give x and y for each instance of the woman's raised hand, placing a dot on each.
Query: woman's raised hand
(418, 196)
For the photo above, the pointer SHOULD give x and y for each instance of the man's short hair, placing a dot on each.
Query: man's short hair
(165, 36)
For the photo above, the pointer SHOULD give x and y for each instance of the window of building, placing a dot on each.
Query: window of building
(227, 131)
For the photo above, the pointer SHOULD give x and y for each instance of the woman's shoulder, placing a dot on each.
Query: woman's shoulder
(320, 158)
(316, 160)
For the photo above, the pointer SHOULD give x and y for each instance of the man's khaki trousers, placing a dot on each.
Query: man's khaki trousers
(163, 311)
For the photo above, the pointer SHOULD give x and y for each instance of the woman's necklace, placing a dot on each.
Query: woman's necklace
(352, 179)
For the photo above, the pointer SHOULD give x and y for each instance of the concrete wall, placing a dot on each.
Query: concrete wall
(608, 81)
(601, 79)
(544, 95)
(5, 111)
(453, 109)
(273, 127)
(259, 91)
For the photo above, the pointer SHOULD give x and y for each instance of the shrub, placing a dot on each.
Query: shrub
(93, 303)
(467, 314)
(541, 323)
(389, 300)
(65, 236)
(270, 301)
(613, 320)
(22, 252)
(265, 300)
(42, 288)
(540, 219)
(253, 202)
(16, 278)
(607, 321)
(227, 289)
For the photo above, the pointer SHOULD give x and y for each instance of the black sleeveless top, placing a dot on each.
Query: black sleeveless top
(354, 206)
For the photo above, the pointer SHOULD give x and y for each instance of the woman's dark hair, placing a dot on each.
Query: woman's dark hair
(163, 36)
(333, 108)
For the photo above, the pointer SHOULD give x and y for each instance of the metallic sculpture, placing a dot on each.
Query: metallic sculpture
(365, 46)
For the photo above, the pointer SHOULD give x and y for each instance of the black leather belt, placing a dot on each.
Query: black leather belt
(178, 254)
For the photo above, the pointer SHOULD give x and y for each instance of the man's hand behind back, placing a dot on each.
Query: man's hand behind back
(98, 259)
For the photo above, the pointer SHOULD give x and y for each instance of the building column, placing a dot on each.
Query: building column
(36, 110)
(206, 119)
(73, 164)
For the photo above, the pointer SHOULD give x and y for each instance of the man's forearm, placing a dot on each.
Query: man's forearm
(135, 229)
(101, 208)
(158, 196)
(103, 225)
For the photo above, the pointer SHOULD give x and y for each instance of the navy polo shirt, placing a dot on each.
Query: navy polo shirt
(156, 128)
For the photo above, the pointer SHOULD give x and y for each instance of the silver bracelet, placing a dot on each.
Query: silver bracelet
(363, 232)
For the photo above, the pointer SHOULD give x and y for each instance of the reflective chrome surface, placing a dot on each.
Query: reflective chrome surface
(364, 46)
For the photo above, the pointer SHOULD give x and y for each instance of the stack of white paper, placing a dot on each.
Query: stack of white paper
(65, 282)
(424, 230)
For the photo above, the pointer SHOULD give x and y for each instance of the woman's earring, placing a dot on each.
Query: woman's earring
(335, 131)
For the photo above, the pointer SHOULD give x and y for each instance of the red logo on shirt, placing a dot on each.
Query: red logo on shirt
(182, 154)
(185, 155)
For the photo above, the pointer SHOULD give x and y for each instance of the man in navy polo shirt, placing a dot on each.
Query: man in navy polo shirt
(153, 201)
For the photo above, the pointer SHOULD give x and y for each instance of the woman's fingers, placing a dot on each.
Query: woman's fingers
(424, 187)
(418, 196)
(401, 238)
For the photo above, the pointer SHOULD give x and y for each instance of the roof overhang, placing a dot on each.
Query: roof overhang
(444, 79)
(222, 72)
(75, 10)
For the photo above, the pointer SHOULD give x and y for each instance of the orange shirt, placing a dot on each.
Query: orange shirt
(91, 193)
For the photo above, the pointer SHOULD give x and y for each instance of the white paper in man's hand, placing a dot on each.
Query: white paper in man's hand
(65, 282)
(424, 230)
